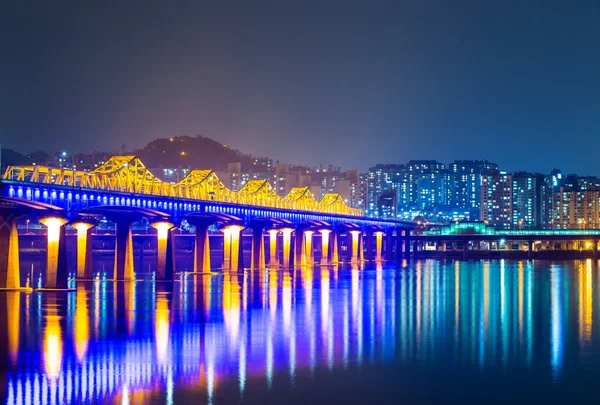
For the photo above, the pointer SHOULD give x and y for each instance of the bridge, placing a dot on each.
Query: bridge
(298, 229)
(477, 238)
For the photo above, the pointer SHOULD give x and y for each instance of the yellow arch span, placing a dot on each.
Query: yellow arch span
(128, 174)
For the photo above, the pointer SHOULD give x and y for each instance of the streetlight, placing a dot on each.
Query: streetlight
(27, 226)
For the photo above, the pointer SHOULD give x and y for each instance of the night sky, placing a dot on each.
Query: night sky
(348, 83)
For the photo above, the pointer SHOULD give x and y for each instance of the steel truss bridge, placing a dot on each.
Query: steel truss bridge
(127, 174)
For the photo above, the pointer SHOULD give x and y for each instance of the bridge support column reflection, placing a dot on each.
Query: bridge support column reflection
(84, 248)
(165, 258)
(57, 276)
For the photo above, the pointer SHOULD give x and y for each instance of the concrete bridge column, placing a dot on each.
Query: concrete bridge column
(232, 248)
(466, 250)
(10, 274)
(389, 242)
(226, 248)
(57, 276)
(595, 248)
(400, 243)
(370, 251)
(530, 249)
(299, 257)
(378, 246)
(355, 246)
(361, 247)
(309, 252)
(334, 253)
(286, 247)
(124, 269)
(325, 259)
(273, 259)
(258, 248)
(84, 248)
(202, 249)
(165, 263)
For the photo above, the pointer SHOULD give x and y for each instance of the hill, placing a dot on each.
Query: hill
(196, 152)
(11, 157)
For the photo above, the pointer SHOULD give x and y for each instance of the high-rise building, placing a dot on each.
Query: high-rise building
(548, 185)
(381, 179)
(496, 199)
(572, 209)
(434, 189)
(466, 187)
(420, 178)
(524, 200)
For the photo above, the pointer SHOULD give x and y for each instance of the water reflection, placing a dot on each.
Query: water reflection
(148, 342)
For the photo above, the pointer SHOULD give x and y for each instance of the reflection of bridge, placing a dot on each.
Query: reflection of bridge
(286, 231)
(199, 336)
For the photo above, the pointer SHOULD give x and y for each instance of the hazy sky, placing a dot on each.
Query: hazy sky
(352, 83)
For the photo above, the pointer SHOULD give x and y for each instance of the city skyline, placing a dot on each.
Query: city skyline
(428, 81)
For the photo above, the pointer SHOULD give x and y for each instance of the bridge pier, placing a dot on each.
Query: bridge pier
(273, 259)
(595, 249)
(368, 239)
(165, 258)
(124, 266)
(10, 274)
(389, 244)
(84, 248)
(325, 259)
(57, 275)
(466, 250)
(334, 254)
(309, 252)
(529, 249)
(378, 246)
(202, 242)
(287, 259)
(257, 261)
(355, 246)
(232, 248)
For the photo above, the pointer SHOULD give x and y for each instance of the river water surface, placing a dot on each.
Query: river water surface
(423, 332)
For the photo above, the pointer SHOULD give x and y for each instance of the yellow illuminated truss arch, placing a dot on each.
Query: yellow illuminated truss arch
(127, 174)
